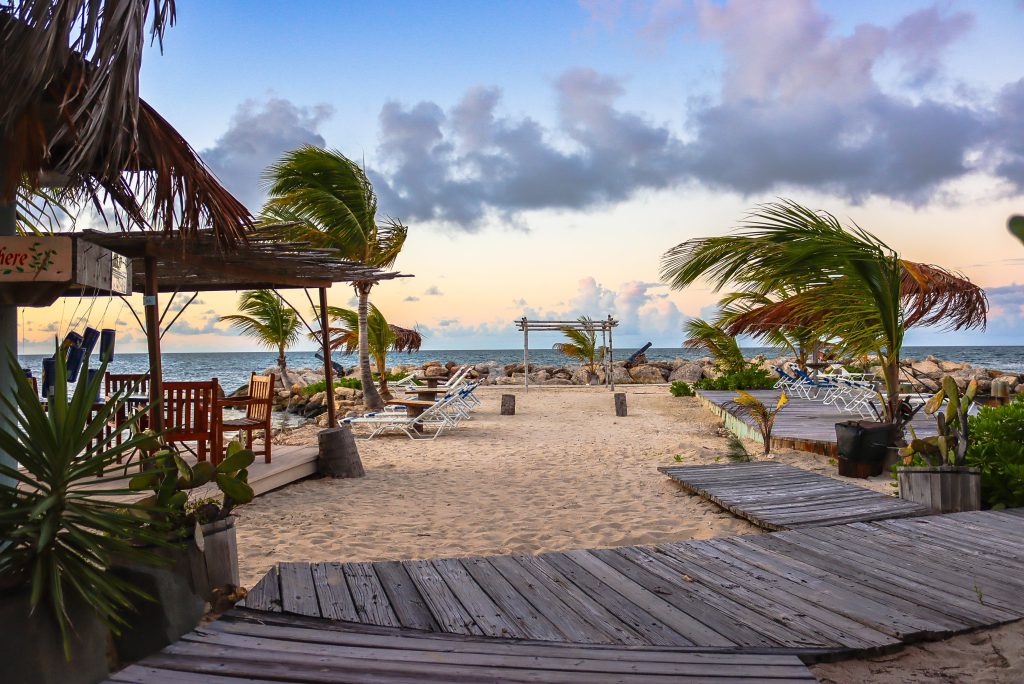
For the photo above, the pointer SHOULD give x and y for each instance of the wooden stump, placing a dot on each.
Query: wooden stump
(339, 456)
(620, 404)
(508, 404)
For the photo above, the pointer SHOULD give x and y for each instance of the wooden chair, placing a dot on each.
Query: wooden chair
(191, 414)
(258, 403)
(137, 382)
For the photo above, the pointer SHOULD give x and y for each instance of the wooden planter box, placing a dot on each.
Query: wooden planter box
(181, 589)
(31, 650)
(943, 489)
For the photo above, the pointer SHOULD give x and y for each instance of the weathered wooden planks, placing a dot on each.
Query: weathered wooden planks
(777, 496)
(804, 424)
(247, 646)
(863, 587)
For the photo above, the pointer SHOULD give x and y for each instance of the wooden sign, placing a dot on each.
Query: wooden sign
(36, 270)
(35, 259)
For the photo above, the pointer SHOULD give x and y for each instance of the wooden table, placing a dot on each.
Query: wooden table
(425, 393)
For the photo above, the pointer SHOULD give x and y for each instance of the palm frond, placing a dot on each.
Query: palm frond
(701, 334)
(266, 318)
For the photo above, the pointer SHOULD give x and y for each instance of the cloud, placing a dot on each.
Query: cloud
(433, 291)
(411, 298)
(800, 107)
(183, 327)
(258, 134)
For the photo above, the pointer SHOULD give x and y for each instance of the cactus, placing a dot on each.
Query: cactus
(171, 479)
(949, 446)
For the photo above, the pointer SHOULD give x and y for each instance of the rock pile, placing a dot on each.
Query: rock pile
(923, 375)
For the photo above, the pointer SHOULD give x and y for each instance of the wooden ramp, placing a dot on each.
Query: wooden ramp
(817, 593)
(247, 646)
(804, 425)
(777, 496)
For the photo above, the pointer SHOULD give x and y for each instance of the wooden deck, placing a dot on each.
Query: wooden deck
(777, 496)
(817, 593)
(803, 425)
(252, 646)
(289, 464)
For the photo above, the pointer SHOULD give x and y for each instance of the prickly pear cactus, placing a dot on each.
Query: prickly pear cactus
(949, 446)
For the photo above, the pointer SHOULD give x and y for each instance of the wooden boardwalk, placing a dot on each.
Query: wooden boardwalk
(804, 425)
(817, 593)
(777, 496)
(250, 646)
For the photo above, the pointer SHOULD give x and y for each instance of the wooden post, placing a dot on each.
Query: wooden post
(508, 404)
(620, 404)
(8, 335)
(611, 354)
(604, 360)
(339, 456)
(332, 416)
(156, 378)
(526, 353)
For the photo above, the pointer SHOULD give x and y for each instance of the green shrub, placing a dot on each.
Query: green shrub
(681, 389)
(997, 449)
(747, 379)
(321, 385)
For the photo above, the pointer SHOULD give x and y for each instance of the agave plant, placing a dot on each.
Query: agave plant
(582, 344)
(949, 446)
(59, 536)
(747, 405)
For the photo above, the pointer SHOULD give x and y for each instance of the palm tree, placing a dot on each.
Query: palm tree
(721, 345)
(269, 320)
(799, 341)
(582, 345)
(327, 200)
(849, 285)
(382, 337)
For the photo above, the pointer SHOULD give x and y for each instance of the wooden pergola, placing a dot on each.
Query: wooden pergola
(162, 263)
(604, 325)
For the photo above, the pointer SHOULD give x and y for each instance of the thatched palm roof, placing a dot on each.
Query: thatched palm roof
(71, 108)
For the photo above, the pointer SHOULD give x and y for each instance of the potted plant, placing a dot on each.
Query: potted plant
(934, 470)
(57, 598)
(204, 557)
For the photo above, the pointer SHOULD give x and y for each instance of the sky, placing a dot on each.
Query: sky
(545, 154)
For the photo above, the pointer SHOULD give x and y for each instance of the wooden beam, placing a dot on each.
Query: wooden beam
(156, 373)
(325, 339)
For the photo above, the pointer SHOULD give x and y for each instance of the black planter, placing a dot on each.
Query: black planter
(863, 446)
(31, 650)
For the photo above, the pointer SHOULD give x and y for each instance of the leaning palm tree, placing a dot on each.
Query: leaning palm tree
(382, 337)
(582, 345)
(327, 200)
(266, 318)
(850, 285)
(799, 341)
(721, 345)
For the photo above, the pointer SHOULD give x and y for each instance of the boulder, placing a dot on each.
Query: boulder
(647, 375)
(950, 366)
(557, 381)
(1010, 380)
(345, 392)
(928, 368)
(690, 372)
(317, 399)
(540, 376)
(581, 376)
(619, 374)
(435, 372)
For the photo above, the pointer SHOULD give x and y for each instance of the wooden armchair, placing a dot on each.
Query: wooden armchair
(191, 414)
(258, 403)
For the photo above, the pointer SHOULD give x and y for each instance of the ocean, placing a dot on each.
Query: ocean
(233, 369)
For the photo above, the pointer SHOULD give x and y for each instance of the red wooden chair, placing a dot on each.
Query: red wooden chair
(191, 414)
(258, 405)
(138, 385)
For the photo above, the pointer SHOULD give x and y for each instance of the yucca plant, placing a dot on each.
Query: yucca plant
(747, 405)
(59, 536)
(582, 345)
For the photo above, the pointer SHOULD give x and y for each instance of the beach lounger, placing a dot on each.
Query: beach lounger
(428, 425)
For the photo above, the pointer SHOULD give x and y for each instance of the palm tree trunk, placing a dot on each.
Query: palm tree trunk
(282, 364)
(371, 398)
(382, 371)
(891, 373)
